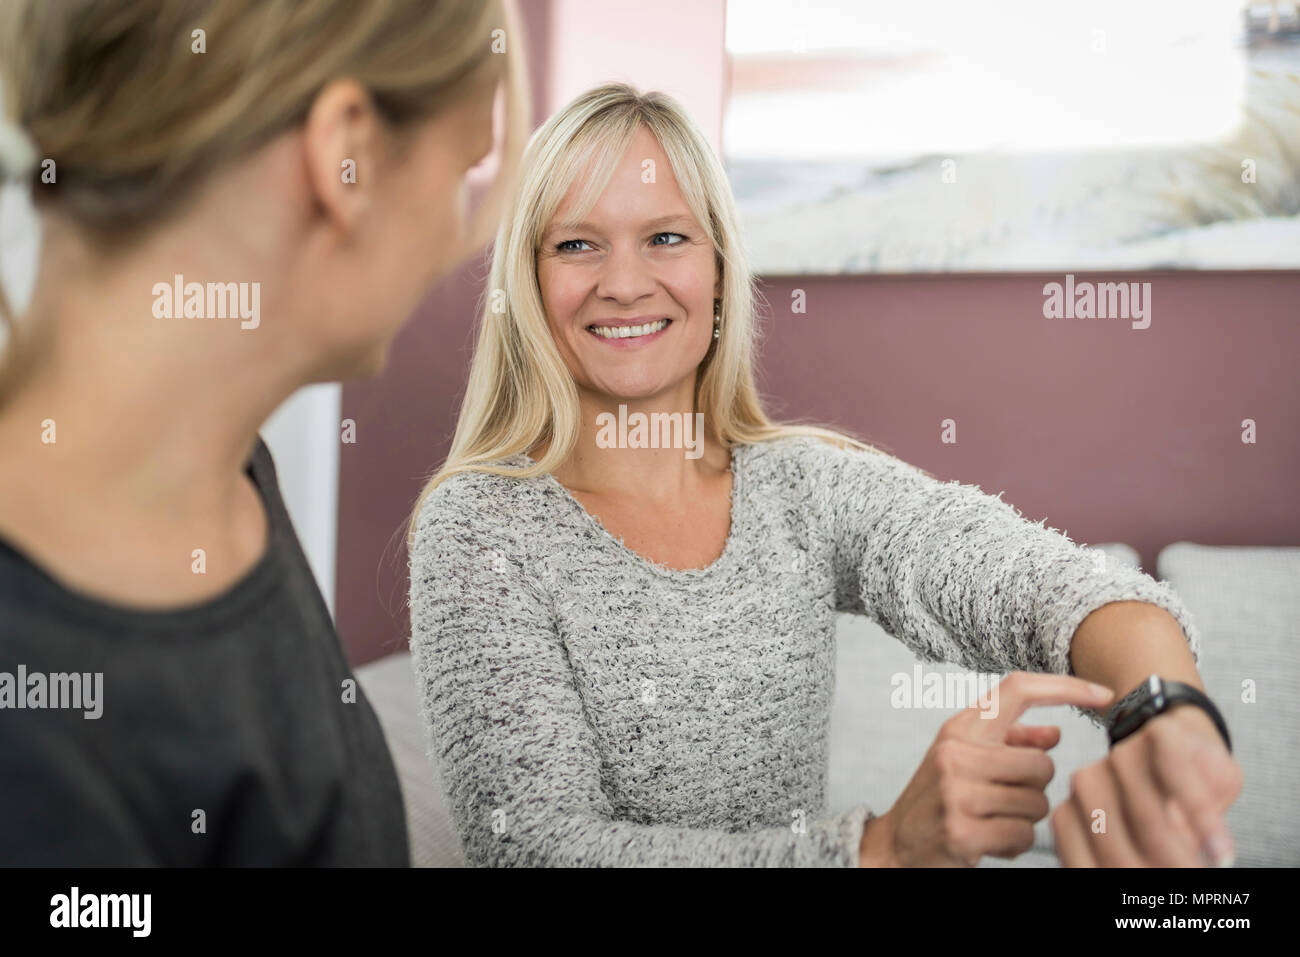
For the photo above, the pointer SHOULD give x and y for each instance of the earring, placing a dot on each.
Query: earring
(717, 324)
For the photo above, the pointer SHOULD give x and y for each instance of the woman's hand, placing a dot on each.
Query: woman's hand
(1157, 799)
(980, 787)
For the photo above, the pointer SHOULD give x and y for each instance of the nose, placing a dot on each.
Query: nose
(625, 276)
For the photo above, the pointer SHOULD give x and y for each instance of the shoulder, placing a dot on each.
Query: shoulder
(474, 531)
(261, 463)
(825, 481)
(809, 460)
(481, 506)
(261, 460)
(478, 493)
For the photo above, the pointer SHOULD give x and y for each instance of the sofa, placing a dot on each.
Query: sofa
(1246, 600)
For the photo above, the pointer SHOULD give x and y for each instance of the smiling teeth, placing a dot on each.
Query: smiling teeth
(629, 332)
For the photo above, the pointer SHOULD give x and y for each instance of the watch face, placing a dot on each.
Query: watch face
(1130, 701)
(1143, 701)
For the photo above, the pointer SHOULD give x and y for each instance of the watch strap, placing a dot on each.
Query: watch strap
(1156, 696)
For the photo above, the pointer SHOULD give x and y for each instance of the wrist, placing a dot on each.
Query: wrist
(1194, 719)
(876, 848)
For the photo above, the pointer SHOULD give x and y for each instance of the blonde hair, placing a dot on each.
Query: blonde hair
(115, 94)
(520, 392)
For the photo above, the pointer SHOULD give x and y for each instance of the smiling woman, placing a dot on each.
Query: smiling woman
(625, 650)
(622, 218)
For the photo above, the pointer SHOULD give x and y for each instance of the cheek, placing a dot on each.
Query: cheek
(434, 203)
(703, 277)
(462, 203)
(691, 284)
(429, 210)
(562, 295)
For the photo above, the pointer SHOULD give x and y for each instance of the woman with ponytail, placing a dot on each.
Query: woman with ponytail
(237, 198)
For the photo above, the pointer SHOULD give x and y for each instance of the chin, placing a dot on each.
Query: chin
(634, 390)
(640, 384)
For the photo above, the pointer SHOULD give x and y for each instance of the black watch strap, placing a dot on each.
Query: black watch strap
(1155, 696)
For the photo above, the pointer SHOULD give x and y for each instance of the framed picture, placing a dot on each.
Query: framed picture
(877, 137)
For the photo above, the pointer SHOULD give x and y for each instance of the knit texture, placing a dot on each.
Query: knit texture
(586, 706)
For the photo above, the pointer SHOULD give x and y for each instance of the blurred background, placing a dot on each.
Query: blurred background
(1111, 135)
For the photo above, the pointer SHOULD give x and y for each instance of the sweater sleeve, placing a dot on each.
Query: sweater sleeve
(959, 575)
(508, 732)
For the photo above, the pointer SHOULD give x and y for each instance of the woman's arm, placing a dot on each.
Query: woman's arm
(959, 575)
(1121, 643)
(507, 727)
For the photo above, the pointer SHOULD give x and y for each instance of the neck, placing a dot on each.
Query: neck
(154, 411)
(654, 448)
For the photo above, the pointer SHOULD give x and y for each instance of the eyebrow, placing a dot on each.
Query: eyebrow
(669, 220)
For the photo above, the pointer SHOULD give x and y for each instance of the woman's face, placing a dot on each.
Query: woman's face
(638, 260)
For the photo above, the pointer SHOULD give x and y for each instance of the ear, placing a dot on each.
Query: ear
(340, 140)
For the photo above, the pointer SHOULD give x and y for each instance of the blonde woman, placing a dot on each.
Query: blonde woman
(624, 635)
(172, 690)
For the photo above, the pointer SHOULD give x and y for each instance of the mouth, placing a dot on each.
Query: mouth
(626, 333)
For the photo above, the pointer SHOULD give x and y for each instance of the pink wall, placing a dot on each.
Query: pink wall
(1108, 433)
(675, 46)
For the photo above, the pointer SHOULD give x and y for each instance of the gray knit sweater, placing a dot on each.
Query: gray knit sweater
(586, 706)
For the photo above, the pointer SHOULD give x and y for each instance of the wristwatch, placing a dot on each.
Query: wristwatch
(1155, 696)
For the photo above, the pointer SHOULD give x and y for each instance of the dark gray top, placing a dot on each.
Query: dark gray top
(238, 708)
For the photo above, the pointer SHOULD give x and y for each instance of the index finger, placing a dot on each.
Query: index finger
(1021, 690)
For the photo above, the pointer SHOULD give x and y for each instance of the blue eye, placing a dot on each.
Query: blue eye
(567, 246)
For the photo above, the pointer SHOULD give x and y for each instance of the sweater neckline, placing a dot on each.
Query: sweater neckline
(729, 549)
